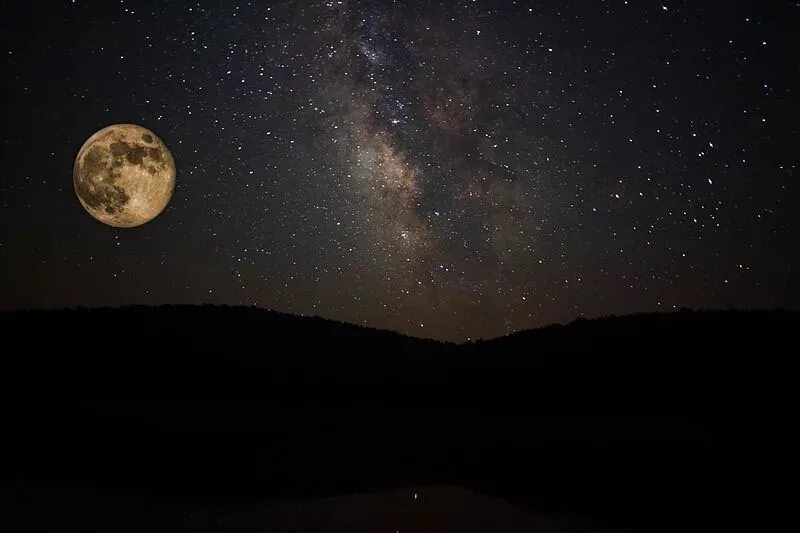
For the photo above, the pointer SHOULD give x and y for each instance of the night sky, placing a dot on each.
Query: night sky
(444, 169)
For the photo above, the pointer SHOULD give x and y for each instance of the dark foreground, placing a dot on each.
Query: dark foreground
(213, 418)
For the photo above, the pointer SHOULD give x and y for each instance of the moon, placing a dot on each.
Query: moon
(124, 175)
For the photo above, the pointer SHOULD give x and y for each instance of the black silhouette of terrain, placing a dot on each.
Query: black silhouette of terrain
(663, 422)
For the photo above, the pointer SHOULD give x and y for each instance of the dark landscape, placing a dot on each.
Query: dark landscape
(168, 418)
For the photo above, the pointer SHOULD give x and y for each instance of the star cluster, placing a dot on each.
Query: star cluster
(446, 169)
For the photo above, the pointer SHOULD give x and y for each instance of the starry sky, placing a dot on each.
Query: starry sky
(455, 169)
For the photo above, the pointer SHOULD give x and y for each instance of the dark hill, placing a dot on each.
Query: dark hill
(684, 420)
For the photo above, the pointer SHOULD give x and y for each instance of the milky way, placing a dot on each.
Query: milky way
(445, 212)
(446, 169)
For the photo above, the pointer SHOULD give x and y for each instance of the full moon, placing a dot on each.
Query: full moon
(124, 175)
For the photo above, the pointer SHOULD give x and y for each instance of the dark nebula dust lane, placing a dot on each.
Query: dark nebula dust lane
(445, 169)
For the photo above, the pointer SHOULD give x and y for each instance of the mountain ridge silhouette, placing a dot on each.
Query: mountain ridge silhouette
(255, 312)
